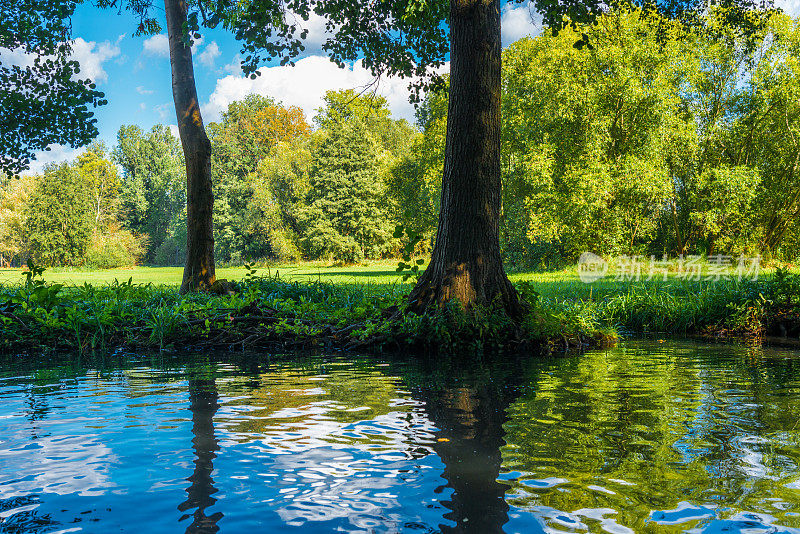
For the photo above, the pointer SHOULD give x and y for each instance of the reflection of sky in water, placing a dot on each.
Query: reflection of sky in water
(655, 439)
(38, 466)
(118, 451)
(322, 474)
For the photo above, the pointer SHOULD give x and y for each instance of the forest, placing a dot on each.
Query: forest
(637, 146)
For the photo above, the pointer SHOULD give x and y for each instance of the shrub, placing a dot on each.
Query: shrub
(115, 247)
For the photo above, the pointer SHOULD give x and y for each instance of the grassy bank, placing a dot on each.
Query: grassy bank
(265, 312)
(351, 307)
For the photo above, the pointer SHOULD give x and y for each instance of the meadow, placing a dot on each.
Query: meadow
(564, 283)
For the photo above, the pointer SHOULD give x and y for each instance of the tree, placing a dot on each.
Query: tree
(14, 195)
(587, 138)
(42, 99)
(153, 190)
(279, 186)
(722, 201)
(345, 216)
(251, 132)
(60, 217)
(199, 271)
(416, 179)
(736, 181)
(101, 175)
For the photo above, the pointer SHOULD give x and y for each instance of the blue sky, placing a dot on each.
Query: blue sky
(135, 76)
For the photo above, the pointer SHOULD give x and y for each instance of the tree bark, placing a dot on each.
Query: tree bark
(465, 264)
(198, 274)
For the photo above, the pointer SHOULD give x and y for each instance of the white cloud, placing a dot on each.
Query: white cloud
(173, 128)
(92, 55)
(143, 91)
(210, 54)
(164, 110)
(235, 66)
(56, 154)
(142, 106)
(157, 45)
(520, 21)
(791, 7)
(89, 54)
(304, 85)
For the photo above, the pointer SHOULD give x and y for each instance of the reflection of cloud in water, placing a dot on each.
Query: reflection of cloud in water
(350, 473)
(55, 464)
(323, 484)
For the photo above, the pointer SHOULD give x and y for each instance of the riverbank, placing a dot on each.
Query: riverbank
(268, 313)
(272, 313)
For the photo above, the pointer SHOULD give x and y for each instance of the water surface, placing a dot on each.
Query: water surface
(647, 437)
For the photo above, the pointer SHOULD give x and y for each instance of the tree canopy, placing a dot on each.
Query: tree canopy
(43, 101)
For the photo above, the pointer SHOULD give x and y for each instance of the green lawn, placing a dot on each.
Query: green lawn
(379, 273)
(561, 284)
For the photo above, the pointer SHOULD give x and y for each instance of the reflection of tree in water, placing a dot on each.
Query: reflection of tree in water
(625, 438)
(329, 409)
(467, 401)
(204, 403)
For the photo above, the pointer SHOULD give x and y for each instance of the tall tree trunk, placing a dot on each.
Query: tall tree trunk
(466, 264)
(198, 274)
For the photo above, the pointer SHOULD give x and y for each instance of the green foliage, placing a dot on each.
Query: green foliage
(14, 197)
(114, 247)
(415, 180)
(654, 141)
(43, 99)
(587, 136)
(100, 173)
(152, 196)
(723, 212)
(408, 266)
(344, 217)
(562, 313)
(59, 222)
(267, 309)
(259, 168)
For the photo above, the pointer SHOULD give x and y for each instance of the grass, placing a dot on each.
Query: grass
(377, 273)
(346, 307)
(563, 283)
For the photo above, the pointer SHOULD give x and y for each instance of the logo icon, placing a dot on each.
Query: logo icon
(591, 267)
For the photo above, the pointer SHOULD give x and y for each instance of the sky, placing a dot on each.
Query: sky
(134, 72)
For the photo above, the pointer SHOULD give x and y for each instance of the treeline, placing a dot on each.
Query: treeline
(654, 141)
(283, 191)
(68, 216)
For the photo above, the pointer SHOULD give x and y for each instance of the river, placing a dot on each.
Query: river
(650, 436)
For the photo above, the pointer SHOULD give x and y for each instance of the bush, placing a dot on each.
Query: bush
(115, 247)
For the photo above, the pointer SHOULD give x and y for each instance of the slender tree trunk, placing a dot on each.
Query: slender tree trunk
(198, 274)
(466, 264)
